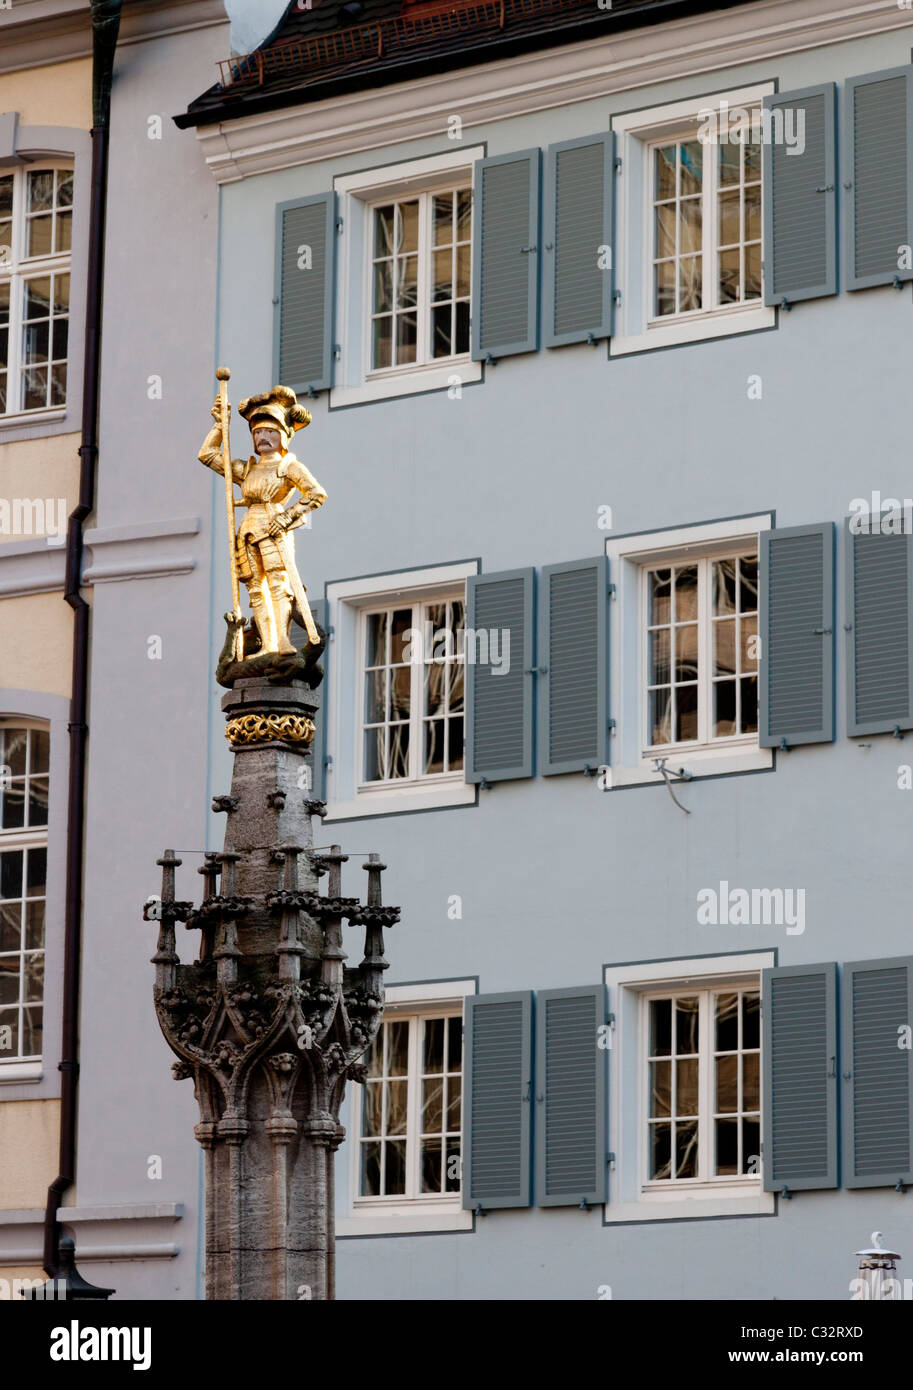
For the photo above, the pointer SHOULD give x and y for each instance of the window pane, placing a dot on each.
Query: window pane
(665, 231)
(34, 924)
(39, 233)
(406, 282)
(61, 293)
(10, 926)
(6, 195)
(454, 1044)
(406, 336)
(660, 590)
(660, 1088)
(751, 1020)
(372, 1108)
(375, 704)
(443, 275)
(686, 594)
(376, 649)
(660, 1150)
(36, 341)
(748, 650)
(4, 297)
(753, 214)
(370, 1169)
(442, 218)
(64, 233)
(64, 188)
(431, 1165)
(685, 713)
(34, 977)
(38, 801)
(37, 297)
(398, 751)
(729, 205)
(690, 279)
(9, 1018)
(408, 227)
(660, 1027)
(686, 1087)
(454, 1092)
(383, 230)
(395, 1119)
(727, 1022)
(660, 670)
(36, 877)
(374, 755)
(686, 659)
(433, 1052)
(464, 254)
(9, 979)
(664, 186)
(382, 355)
(724, 711)
(751, 1085)
(751, 1145)
(686, 1149)
(464, 214)
(452, 1175)
(748, 583)
(383, 286)
(723, 587)
(400, 627)
(434, 746)
(661, 716)
(432, 1106)
(690, 232)
(441, 331)
(730, 277)
(395, 1168)
(727, 1146)
(35, 381)
(11, 873)
(724, 647)
(12, 807)
(727, 1084)
(686, 1026)
(749, 694)
(375, 1055)
(664, 288)
(753, 271)
(397, 1042)
(691, 156)
(461, 343)
(730, 155)
(752, 150)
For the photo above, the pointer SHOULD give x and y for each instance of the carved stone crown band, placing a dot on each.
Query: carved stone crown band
(262, 728)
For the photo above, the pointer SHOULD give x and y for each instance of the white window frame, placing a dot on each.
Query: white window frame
(17, 272)
(638, 133)
(358, 195)
(632, 758)
(706, 740)
(706, 1088)
(30, 837)
(362, 1216)
(347, 796)
(632, 1198)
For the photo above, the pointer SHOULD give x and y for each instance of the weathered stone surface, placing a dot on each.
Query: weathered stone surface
(268, 1020)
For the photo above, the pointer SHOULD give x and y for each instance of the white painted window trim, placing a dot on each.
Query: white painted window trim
(410, 1215)
(29, 837)
(636, 135)
(346, 800)
(630, 1200)
(357, 194)
(628, 555)
(17, 271)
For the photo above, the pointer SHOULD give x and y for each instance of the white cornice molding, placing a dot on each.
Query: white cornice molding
(140, 551)
(383, 116)
(36, 33)
(126, 1231)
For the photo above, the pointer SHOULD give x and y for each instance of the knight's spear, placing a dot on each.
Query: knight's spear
(223, 375)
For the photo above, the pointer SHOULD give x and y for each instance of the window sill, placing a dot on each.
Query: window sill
(433, 376)
(33, 417)
(412, 1218)
(395, 801)
(718, 323)
(14, 1073)
(698, 1203)
(701, 762)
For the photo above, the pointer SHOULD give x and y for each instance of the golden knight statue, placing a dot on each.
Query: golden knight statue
(263, 552)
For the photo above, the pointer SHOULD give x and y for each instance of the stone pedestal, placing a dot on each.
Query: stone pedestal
(268, 1020)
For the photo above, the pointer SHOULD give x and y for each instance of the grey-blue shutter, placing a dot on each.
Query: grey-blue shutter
(573, 651)
(799, 1065)
(500, 713)
(578, 233)
(879, 608)
(505, 255)
(303, 345)
(877, 154)
(800, 196)
(878, 1113)
(497, 1089)
(796, 667)
(299, 639)
(571, 1078)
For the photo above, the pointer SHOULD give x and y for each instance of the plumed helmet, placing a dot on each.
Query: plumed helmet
(279, 409)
